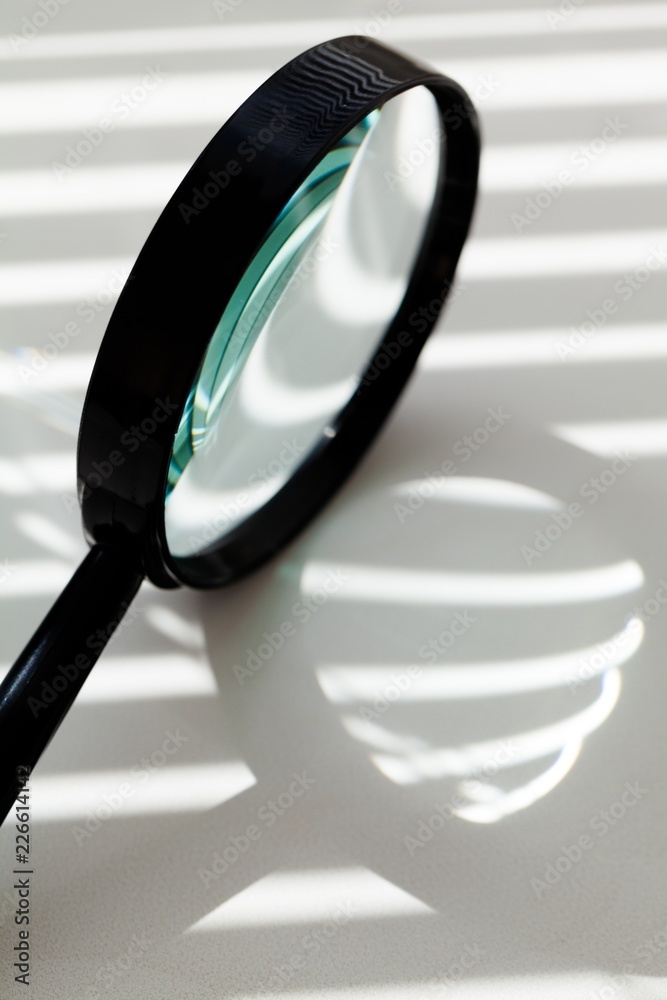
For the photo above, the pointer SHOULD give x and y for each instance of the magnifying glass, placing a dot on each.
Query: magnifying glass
(268, 326)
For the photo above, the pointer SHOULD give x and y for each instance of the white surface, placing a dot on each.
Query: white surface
(563, 752)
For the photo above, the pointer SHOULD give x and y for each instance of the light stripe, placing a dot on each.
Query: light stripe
(609, 438)
(30, 578)
(494, 83)
(388, 585)
(412, 763)
(526, 168)
(477, 490)
(165, 787)
(151, 677)
(232, 36)
(614, 251)
(175, 626)
(126, 187)
(69, 105)
(312, 897)
(70, 280)
(39, 472)
(505, 349)
(360, 682)
(440, 971)
(28, 372)
(148, 186)
(483, 259)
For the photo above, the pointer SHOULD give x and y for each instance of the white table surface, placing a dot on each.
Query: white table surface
(336, 897)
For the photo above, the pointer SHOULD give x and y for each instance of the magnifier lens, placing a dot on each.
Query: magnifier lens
(302, 326)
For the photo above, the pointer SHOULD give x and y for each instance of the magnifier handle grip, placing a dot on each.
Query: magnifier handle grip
(46, 678)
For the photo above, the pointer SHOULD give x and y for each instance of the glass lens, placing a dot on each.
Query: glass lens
(302, 326)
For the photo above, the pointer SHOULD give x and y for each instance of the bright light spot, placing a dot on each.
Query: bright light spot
(481, 491)
(303, 32)
(483, 259)
(305, 897)
(266, 399)
(175, 626)
(37, 472)
(30, 578)
(148, 186)
(68, 371)
(611, 251)
(439, 762)
(359, 682)
(399, 586)
(633, 437)
(151, 677)
(507, 803)
(168, 788)
(524, 167)
(95, 189)
(381, 738)
(504, 349)
(64, 105)
(57, 280)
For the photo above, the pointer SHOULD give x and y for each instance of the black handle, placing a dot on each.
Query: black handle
(46, 678)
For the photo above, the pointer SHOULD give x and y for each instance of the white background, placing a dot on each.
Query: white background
(544, 88)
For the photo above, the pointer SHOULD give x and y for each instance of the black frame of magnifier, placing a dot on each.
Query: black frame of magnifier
(158, 335)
